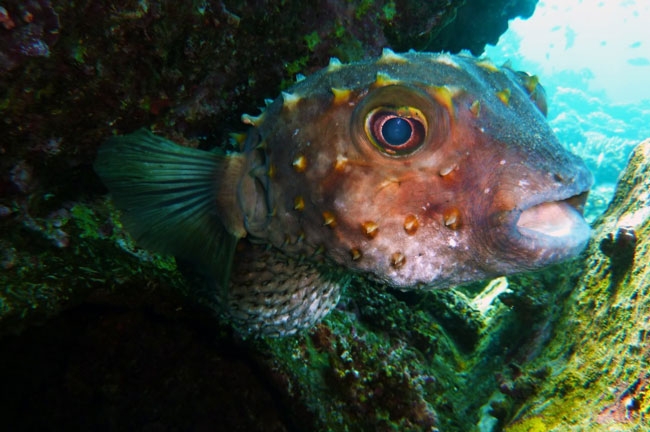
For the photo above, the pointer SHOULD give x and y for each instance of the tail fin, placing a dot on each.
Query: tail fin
(169, 198)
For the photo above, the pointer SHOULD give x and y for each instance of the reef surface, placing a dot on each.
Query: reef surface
(597, 356)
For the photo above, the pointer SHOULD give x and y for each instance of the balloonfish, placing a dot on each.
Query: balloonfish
(416, 170)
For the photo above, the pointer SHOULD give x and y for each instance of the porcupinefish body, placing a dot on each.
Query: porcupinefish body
(417, 170)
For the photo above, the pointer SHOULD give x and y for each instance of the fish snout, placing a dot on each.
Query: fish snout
(542, 222)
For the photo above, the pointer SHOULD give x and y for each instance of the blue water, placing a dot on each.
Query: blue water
(593, 59)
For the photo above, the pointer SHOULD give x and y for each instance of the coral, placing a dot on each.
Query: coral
(604, 138)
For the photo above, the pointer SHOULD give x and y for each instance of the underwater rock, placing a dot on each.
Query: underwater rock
(597, 358)
(111, 367)
(486, 20)
(27, 29)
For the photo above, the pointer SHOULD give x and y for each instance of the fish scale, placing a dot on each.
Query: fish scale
(411, 169)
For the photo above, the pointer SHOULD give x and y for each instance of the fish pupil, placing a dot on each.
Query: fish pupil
(396, 131)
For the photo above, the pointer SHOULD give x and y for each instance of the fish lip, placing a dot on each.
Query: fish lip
(553, 222)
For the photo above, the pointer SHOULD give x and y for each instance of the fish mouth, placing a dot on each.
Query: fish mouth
(555, 224)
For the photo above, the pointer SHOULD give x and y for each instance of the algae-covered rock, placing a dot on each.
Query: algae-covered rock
(597, 358)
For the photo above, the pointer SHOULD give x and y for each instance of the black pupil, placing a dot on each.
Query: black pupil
(396, 131)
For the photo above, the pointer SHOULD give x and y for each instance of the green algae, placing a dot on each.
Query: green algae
(86, 221)
(47, 275)
(397, 361)
(356, 380)
(389, 10)
(292, 69)
(534, 424)
(363, 8)
(312, 40)
(599, 355)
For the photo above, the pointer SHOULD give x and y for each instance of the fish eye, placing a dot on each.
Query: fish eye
(398, 121)
(396, 131)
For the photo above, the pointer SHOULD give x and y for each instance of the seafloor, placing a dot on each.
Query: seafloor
(98, 334)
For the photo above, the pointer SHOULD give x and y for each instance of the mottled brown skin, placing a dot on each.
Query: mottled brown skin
(476, 169)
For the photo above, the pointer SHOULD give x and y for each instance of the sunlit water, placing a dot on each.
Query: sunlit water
(593, 58)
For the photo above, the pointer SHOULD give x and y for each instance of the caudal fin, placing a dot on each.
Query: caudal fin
(168, 197)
